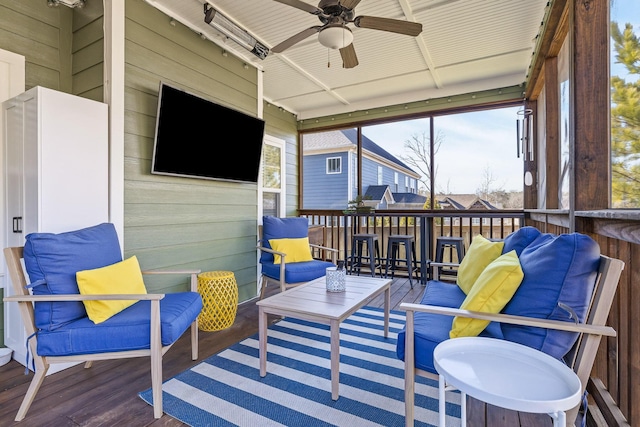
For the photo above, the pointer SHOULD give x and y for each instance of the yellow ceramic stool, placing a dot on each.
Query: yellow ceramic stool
(219, 292)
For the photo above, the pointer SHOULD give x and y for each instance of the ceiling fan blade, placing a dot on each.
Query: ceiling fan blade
(286, 44)
(299, 4)
(387, 24)
(349, 4)
(349, 58)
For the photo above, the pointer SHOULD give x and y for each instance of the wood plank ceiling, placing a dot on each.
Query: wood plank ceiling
(465, 46)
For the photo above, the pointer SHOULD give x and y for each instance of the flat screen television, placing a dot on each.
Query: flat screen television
(198, 138)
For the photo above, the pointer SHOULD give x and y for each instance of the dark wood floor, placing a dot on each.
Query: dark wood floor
(107, 393)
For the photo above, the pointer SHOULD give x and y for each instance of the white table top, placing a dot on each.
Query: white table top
(506, 374)
(312, 298)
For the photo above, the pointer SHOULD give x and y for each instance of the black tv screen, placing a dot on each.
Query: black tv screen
(198, 138)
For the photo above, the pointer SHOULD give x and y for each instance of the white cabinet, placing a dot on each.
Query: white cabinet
(55, 175)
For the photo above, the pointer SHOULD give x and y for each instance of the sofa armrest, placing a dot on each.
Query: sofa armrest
(334, 252)
(435, 270)
(271, 251)
(80, 297)
(507, 318)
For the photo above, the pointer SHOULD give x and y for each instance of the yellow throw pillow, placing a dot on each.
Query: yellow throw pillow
(480, 254)
(491, 292)
(297, 250)
(123, 277)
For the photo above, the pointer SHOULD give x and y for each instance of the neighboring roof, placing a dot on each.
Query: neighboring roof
(372, 147)
(325, 140)
(376, 192)
(412, 198)
(347, 138)
(463, 202)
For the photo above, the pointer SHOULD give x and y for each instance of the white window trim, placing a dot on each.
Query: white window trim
(279, 143)
(328, 172)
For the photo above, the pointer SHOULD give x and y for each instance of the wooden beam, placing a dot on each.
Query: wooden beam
(591, 100)
(555, 30)
(552, 133)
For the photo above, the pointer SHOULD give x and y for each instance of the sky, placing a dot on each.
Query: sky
(475, 143)
(472, 143)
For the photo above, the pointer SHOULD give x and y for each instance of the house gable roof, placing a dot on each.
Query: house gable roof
(463, 202)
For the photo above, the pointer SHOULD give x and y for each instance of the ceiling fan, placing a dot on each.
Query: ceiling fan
(334, 33)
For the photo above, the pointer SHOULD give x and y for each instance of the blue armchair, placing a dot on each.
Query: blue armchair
(285, 255)
(61, 269)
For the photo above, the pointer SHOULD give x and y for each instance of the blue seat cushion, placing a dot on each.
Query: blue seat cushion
(431, 329)
(127, 330)
(557, 269)
(520, 239)
(52, 260)
(296, 272)
(281, 228)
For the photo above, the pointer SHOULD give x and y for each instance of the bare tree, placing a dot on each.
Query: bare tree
(420, 157)
(486, 184)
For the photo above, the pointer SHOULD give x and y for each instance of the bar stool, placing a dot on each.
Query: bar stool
(393, 250)
(357, 257)
(456, 243)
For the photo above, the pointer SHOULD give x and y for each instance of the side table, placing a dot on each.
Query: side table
(219, 292)
(506, 374)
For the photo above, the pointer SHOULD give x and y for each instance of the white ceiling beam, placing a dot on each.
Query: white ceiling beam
(408, 13)
(311, 78)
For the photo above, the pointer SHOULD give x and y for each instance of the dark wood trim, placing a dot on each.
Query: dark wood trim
(549, 46)
(552, 132)
(590, 97)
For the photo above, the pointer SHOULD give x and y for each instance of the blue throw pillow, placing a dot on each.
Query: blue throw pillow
(520, 239)
(52, 260)
(557, 269)
(281, 228)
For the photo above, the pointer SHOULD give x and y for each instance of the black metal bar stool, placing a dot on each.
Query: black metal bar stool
(357, 256)
(393, 250)
(451, 243)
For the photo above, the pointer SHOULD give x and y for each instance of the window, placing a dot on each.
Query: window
(334, 165)
(271, 189)
(625, 128)
(395, 182)
(380, 175)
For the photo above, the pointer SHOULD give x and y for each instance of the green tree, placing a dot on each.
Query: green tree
(625, 120)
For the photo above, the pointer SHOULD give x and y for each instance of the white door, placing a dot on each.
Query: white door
(12, 83)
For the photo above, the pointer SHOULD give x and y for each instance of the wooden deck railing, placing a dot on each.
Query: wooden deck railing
(425, 226)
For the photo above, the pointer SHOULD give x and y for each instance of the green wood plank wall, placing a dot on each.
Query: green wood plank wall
(173, 222)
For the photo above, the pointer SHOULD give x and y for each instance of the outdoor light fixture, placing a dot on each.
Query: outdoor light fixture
(335, 37)
(231, 30)
(68, 3)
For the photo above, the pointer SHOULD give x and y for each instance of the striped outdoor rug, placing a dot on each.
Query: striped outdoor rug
(226, 389)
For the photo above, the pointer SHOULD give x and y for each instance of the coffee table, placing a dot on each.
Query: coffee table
(506, 374)
(312, 302)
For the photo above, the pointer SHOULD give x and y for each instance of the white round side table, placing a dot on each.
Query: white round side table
(506, 374)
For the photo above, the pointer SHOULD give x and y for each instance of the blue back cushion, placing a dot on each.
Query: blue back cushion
(557, 269)
(520, 239)
(52, 260)
(281, 228)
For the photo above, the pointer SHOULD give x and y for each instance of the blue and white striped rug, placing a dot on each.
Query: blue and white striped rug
(226, 389)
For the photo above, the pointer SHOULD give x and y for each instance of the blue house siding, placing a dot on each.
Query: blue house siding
(329, 191)
(322, 190)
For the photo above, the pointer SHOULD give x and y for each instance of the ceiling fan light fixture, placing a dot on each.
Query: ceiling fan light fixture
(335, 37)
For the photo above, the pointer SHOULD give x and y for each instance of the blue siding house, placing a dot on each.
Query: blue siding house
(330, 170)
